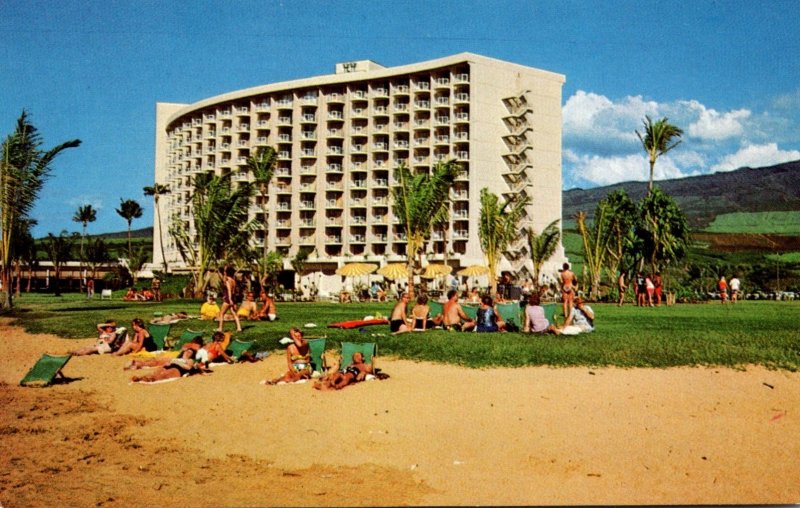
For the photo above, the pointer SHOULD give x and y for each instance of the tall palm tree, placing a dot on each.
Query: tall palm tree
(421, 200)
(97, 253)
(129, 209)
(157, 190)
(542, 246)
(23, 170)
(657, 140)
(498, 226)
(262, 166)
(222, 230)
(24, 250)
(85, 214)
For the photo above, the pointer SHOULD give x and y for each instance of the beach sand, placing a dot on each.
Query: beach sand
(429, 435)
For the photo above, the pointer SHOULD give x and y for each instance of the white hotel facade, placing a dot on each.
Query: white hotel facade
(339, 137)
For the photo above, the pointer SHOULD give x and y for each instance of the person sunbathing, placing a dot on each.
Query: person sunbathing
(353, 373)
(106, 340)
(268, 311)
(298, 358)
(454, 317)
(143, 363)
(141, 340)
(249, 308)
(170, 319)
(209, 311)
(214, 352)
(175, 368)
(421, 314)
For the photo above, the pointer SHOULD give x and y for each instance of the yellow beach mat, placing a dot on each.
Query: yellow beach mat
(155, 354)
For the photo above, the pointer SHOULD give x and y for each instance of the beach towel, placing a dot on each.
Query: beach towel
(358, 323)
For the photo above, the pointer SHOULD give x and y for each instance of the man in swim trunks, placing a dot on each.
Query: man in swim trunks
(454, 317)
(398, 322)
(568, 289)
(356, 371)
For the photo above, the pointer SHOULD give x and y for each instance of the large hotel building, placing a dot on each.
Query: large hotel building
(338, 138)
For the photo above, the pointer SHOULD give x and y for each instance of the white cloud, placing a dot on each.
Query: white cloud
(716, 126)
(601, 147)
(595, 120)
(756, 156)
(597, 170)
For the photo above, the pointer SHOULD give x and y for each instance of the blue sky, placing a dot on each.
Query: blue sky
(726, 72)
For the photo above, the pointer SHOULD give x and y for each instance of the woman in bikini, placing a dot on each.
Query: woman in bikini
(567, 289)
(298, 359)
(421, 314)
(228, 302)
(175, 368)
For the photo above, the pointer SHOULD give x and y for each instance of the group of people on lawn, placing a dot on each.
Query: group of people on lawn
(579, 316)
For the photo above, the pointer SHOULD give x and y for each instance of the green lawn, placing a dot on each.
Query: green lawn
(764, 333)
(779, 223)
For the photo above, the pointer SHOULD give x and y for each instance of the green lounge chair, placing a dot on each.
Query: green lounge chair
(237, 347)
(471, 311)
(509, 312)
(185, 338)
(435, 307)
(45, 370)
(550, 312)
(317, 350)
(159, 332)
(368, 349)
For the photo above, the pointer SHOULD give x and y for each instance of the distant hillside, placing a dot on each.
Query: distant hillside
(768, 189)
(135, 233)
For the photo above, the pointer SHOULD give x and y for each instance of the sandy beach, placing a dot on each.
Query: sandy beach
(428, 435)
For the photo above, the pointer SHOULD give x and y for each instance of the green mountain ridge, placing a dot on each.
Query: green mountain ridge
(702, 198)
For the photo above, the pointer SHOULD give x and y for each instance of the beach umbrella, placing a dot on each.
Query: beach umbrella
(356, 269)
(394, 271)
(433, 271)
(474, 271)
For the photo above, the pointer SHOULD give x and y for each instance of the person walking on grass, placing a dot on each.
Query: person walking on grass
(621, 286)
(722, 287)
(228, 299)
(734, 285)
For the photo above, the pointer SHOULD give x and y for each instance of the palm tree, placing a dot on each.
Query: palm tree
(84, 215)
(97, 253)
(498, 226)
(129, 209)
(421, 200)
(59, 249)
(657, 140)
(24, 250)
(157, 190)
(262, 166)
(23, 170)
(221, 231)
(542, 246)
